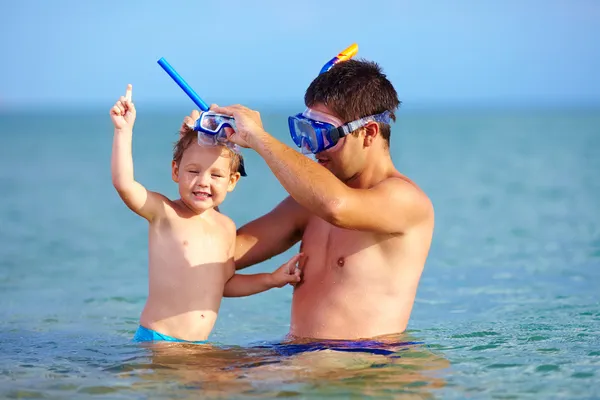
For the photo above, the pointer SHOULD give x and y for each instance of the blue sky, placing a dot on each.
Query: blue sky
(79, 53)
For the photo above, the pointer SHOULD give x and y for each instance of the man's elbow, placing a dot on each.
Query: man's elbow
(334, 212)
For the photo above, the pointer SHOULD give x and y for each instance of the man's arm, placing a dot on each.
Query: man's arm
(389, 207)
(271, 234)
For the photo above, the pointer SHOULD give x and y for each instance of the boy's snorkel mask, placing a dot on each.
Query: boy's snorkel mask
(313, 136)
(210, 124)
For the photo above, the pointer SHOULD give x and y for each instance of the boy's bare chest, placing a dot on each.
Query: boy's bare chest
(192, 240)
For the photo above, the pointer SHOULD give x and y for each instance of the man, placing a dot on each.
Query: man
(365, 228)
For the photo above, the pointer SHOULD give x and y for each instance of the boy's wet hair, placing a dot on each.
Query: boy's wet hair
(189, 137)
(354, 89)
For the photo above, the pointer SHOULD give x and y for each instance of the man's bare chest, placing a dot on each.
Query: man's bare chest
(334, 248)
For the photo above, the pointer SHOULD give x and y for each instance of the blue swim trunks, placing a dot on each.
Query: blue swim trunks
(360, 346)
(148, 335)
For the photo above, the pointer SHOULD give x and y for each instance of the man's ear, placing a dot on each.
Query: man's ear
(174, 171)
(233, 179)
(371, 132)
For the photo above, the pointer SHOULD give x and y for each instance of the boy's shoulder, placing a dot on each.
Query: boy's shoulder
(227, 227)
(224, 221)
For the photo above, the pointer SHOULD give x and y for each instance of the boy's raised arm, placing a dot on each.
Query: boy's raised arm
(140, 200)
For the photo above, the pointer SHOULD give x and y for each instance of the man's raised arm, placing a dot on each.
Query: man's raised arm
(392, 206)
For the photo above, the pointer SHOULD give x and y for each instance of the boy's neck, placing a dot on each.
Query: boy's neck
(187, 211)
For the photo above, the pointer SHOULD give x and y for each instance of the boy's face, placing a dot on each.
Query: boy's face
(204, 176)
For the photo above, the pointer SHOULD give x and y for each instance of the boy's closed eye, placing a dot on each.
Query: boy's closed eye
(218, 174)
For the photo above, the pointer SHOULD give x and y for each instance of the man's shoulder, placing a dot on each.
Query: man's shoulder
(399, 186)
(401, 182)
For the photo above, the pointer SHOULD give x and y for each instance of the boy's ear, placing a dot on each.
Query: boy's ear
(371, 132)
(233, 179)
(174, 171)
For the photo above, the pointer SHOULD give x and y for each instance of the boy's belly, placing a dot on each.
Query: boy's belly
(184, 301)
(190, 325)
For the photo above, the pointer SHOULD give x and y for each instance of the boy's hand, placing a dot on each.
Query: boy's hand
(288, 272)
(188, 122)
(123, 112)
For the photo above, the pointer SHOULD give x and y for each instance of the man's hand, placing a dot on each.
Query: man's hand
(248, 124)
(190, 120)
(122, 113)
(288, 272)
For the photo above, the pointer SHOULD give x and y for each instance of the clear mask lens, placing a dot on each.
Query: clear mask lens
(214, 122)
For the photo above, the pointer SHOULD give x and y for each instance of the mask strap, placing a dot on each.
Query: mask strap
(350, 127)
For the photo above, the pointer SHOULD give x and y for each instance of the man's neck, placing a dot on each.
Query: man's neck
(379, 166)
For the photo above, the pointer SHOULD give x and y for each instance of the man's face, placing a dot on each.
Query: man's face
(343, 159)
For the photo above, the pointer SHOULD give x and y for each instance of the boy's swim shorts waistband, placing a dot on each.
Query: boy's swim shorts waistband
(144, 334)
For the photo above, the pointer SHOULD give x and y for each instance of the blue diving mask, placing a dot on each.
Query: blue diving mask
(314, 131)
(210, 127)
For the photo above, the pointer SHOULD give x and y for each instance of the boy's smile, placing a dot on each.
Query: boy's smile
(201, 196)
(204, 176)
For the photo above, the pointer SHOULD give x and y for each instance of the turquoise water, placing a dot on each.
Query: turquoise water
(508, 306)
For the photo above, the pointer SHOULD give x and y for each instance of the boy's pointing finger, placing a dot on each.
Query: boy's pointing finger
(128, 92)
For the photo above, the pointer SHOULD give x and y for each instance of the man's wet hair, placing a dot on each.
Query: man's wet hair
(354, 89)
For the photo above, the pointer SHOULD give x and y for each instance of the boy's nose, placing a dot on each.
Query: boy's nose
(203, 180)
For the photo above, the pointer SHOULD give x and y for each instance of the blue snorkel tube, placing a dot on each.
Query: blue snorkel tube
(192, 95)
(183, 84)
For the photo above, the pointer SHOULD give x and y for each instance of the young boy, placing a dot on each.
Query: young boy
(191, 245)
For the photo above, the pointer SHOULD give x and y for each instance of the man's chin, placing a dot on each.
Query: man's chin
(330, 167)
(324, 163)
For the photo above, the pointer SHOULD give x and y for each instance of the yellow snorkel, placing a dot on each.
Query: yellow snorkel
(346, 54)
